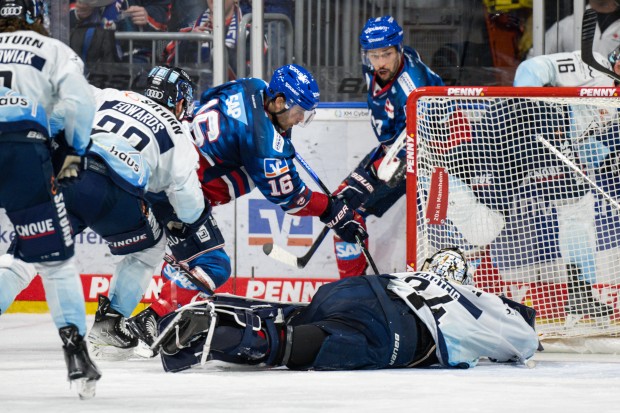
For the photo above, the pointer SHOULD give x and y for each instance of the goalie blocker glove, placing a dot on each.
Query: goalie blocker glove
(345, 222)
(358, 186)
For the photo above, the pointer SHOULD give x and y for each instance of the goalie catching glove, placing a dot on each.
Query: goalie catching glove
(345, 222)
(358, 186)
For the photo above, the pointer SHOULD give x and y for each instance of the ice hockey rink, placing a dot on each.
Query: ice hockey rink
(33, 379)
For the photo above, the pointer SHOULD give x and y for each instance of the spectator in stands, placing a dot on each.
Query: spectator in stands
(120, 15)
(561, 36)
(184, 13)
(275, 30)
(187, 50)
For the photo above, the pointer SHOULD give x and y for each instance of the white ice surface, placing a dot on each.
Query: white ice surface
(32, 379)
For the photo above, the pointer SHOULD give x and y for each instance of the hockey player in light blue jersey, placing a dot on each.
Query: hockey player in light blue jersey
(146, 149)
(392, 71)
(243, 131)
(43, 91)
(400, 320)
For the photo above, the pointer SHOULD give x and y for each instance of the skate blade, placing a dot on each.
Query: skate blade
(109, 353)
(85, 388)
(144, 351)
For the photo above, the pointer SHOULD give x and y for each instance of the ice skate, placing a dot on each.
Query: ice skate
(581, 302)
(189, 321)
(144, 327)
(81, 369)
(109, 339)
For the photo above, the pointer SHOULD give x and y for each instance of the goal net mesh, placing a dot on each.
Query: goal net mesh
(526, 182)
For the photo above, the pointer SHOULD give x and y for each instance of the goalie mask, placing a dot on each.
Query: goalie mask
(300, 90)
(450, 263)
(168, 85)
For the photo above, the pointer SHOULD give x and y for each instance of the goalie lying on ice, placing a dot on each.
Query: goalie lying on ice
(367, 322)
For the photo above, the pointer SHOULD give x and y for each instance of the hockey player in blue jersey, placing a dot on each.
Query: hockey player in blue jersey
(400, 320)
(44, 91)
(243, 132)
(392, 71)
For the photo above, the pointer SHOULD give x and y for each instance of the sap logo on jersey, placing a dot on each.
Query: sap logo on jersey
(346, 251)
(275, 167)
(269, 223)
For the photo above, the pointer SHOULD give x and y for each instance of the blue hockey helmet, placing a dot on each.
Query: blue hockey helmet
(168, 85)
(451, 264)
(381, 32)
(298, 87)
(30, 11)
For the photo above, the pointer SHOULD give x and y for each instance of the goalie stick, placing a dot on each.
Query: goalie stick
(284, 256)
(588, 28)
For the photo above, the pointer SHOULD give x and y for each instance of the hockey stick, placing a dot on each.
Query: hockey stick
(278, 253)
(391, 164)
(320, 183)
(202, 285)
(588, 28)
(575, 168)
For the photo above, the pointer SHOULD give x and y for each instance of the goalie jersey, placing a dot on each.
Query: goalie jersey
(164, 144)
(242, 149)
(466, 323)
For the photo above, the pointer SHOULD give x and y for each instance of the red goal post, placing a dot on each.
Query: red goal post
(526, 181)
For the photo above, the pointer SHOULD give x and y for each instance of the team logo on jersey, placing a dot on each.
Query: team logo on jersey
(269, 223)
(347, 251)
(275, 167)
(389, 109)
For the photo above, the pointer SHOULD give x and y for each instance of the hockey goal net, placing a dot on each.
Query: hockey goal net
(526, 182)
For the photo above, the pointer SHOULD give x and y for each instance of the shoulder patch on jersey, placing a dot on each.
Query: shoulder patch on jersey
(278, 143)
(235, 108)
(406, 83)
(275, 167)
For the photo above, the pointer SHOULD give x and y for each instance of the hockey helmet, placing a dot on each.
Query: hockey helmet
(614, 56)
(381, 32)
(30, 11)
(298, 87)
(450, 263)
(168, 85)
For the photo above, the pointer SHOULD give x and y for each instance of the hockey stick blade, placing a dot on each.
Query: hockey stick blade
(280, 254)
(588, 28)
(390, 163)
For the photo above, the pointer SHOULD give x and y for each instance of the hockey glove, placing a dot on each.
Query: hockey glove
(69, 170)
(345, 222)
(183, 230)
(358, 186)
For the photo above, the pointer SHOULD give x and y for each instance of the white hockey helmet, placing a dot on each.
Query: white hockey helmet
(450, 263)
